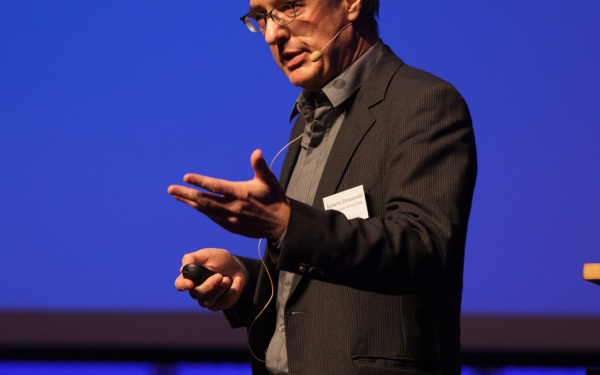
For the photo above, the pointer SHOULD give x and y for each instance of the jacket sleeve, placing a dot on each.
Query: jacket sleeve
(239, 314)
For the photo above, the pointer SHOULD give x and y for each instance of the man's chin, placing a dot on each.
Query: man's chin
(305, 78)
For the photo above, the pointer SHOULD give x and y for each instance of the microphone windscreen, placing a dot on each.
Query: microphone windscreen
(316, 56)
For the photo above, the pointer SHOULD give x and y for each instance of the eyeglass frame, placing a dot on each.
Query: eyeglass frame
(268, 14)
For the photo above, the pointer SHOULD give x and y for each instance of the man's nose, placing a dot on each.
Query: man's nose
(275, 33)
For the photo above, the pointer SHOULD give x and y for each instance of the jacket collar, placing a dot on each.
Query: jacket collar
(356, 124)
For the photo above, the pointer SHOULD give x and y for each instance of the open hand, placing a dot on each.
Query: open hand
(257, 208)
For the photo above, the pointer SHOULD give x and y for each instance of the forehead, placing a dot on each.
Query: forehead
(263, 6)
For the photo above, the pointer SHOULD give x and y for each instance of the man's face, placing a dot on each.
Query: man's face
(316, 23)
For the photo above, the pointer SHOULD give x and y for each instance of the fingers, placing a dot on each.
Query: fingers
(260, 167)
(209, 204)
(230, 295)
(223, 189)
(206, 293)
(195, 198)
(214, 185)
(188, 202)
(190, 194)
(210, 290)
(184, 194)
(182, 284)
(197, 257)
(217, 293)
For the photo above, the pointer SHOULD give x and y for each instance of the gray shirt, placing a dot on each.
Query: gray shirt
(324, 113)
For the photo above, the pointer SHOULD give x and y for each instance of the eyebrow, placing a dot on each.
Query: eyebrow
(261, 9)
(257, 9)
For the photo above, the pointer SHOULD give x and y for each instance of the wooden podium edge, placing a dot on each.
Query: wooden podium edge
(591, 272)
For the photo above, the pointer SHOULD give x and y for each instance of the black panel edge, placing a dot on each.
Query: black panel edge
(153, 355)
(196, 355)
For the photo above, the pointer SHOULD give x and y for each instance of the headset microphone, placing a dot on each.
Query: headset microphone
(317, 55)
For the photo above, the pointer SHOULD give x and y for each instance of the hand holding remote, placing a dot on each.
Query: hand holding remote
(197, 276)
(197, 273)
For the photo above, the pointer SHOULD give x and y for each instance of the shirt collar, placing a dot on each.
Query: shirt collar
(348, 82)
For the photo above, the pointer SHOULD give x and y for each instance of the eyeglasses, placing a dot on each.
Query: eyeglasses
(282, 15)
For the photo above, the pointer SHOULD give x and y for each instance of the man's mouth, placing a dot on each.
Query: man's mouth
(293, 59)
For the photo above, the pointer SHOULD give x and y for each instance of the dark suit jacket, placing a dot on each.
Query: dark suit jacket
(379, 295)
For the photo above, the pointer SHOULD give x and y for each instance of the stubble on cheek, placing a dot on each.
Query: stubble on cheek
(278, 60)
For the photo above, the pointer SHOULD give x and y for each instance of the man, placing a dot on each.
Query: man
(377, 293)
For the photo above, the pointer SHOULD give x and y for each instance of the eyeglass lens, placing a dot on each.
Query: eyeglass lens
(282, 15)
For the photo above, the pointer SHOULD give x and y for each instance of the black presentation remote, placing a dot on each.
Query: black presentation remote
(197, 273)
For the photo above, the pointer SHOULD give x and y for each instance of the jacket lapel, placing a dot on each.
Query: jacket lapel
(357, 123)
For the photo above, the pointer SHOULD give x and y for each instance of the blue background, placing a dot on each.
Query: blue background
(103, 104)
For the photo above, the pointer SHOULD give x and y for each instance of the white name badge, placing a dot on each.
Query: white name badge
(351, 203)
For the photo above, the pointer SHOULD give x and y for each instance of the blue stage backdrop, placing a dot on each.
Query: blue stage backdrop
(104, 104)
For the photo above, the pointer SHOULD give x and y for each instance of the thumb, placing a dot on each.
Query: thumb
(259, 165)
(198, 257)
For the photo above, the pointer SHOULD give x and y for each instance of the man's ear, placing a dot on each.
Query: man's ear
(353, 8)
